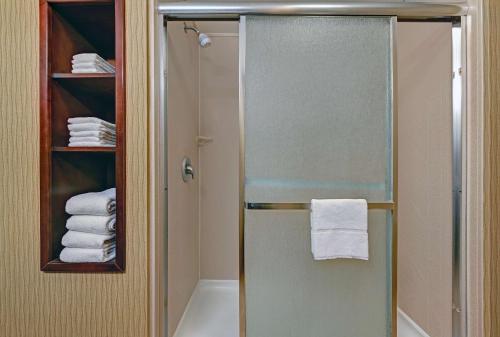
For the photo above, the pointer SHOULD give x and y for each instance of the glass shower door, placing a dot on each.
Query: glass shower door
(317, 104)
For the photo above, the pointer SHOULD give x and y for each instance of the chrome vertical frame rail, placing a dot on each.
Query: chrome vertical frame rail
(241, 91)
(459, 268)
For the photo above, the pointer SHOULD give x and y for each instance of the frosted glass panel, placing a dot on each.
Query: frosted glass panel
(288, 294)
(318, 124)
(318, 108)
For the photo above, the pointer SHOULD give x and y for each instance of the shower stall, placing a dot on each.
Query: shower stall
(258, 115)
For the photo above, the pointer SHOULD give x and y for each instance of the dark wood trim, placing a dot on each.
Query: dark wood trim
(76, 76)
(61, 97)
(121, 162)
(83, 149)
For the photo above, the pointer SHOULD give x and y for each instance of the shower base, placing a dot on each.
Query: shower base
(212, 310)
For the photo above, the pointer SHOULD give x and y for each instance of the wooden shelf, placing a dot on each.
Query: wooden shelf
(101, 84)
(83, 149)
(67, 28)
(86, 75)
(57, 265)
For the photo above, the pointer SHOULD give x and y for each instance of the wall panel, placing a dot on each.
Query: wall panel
(33, 303)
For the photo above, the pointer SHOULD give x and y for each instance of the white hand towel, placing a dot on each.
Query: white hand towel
(74, 239)
(89, 71)
(96, 224)
(91, 144)
(96, 64)
(94, 120)
(82, 255)
(90, 127)
(91, 139)
(92, 203)
(97, 134)
(88, 57)
(339, 229)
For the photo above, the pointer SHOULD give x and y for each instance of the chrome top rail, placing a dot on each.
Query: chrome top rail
(389, 205)
(207, 10)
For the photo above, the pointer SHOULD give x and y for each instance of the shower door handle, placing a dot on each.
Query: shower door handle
(187, 169)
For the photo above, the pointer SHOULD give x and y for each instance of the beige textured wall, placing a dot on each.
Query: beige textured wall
(425, 179)
(182, 129)
(37, 304)
(219, 159)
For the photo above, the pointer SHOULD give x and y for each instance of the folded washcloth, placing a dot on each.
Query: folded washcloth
(96, 64)
(81, 255)
(92, 203)
(99, 134)
(96, 224)
(74, 239)
(91, 144)
(90, 127)
(339, 229)
(91, 139)
(89, 70)
(94, 120)
(88, 57)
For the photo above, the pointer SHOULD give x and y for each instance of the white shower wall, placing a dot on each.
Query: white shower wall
(219, 159)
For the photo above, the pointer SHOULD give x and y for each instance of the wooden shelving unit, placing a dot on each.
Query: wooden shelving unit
(69, 27)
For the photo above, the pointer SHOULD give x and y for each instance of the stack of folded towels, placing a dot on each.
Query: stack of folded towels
(90, 63)
(91, 235)
(91, 131)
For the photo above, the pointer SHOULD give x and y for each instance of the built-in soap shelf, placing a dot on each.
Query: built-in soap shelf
(203, 140)
(67, 28)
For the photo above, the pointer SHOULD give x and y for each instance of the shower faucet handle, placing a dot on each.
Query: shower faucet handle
(187, 170)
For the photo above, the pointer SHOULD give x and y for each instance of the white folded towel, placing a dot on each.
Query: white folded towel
(93, 65)
(90, 127)
(97, 134)
(89, 71)
(339, 229)
(92, 203)
(82, 255)
(91, 139)
(94, 120)
(96, 224)
(74, 239)
(91, 144)
(88, 57)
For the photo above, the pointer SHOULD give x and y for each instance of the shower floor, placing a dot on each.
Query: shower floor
(212, 310)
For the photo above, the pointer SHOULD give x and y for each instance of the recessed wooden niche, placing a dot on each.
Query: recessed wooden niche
(69, 27)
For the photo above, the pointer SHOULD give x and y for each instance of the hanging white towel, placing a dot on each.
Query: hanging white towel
(90, 127)
(92, 203)
(96, 224)
(95, 120)
(82, 255)
(339, 229)
(74, 239)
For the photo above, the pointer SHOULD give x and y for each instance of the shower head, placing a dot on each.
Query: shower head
(203, 38)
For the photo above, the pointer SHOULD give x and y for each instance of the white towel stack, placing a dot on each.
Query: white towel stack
(91, 228)
(91, 131)
(90, 63)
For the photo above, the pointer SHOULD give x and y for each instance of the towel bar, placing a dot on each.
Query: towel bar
(389, 205)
